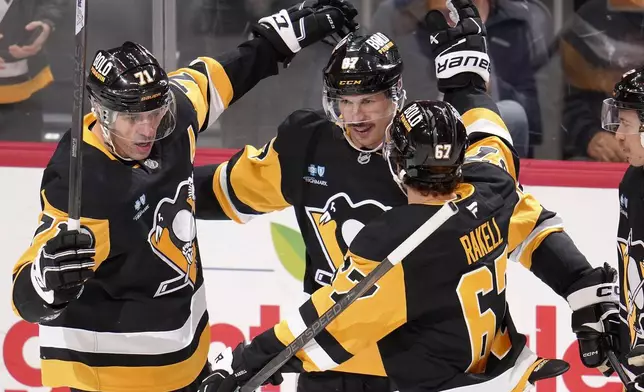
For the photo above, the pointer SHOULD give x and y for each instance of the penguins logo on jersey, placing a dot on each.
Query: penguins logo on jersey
(173, 236)
(631, 255)
(336, 225)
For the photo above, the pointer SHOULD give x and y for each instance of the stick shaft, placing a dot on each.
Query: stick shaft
(76, 133)
(421, 234)
(612, 358)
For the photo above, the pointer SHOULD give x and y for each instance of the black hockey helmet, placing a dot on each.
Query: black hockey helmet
(362, 64)
(628, 94)
(128, 82)
(426, 143)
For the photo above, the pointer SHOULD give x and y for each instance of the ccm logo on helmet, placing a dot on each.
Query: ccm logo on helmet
(463, 61)
(101, 67)
(350, 82)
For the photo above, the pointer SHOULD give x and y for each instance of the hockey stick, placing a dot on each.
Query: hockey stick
(75, 152)
(416, 238)
(612, 358)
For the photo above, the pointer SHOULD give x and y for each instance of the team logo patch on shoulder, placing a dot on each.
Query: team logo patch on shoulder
(173, 237)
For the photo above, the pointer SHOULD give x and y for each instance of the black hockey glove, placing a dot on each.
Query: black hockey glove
(595, 317)
(460, 52)
(231, 372)
(306, 23)
(63, 265)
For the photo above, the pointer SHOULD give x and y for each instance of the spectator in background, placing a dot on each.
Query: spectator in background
(25, 26)
(603, 40)
(511, 43)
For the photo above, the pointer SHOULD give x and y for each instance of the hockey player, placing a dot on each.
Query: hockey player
(330, 168)
(440, 317)
(121, 303)
(623, 114)
(294, 170)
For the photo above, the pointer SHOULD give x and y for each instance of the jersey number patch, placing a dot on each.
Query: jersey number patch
(473, 287)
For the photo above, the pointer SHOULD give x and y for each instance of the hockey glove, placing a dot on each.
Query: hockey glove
(595, 317)
(230, 372)
(460, 52)
(63, 265)
(306, 23)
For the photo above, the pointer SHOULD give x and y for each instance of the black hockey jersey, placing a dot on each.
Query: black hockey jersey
(439, 318)
(141, 324)
(336, 190)
(630, 253)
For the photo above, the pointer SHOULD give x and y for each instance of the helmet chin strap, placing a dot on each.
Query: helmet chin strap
(398, 178)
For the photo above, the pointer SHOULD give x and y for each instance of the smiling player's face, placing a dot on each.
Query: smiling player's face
(366, 117)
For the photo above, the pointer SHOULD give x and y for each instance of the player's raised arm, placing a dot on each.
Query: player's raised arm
(536, 236)
(213, 83)
(256, 181)
(463, 71)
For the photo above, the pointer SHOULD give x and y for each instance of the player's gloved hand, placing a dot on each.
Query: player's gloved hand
(230, 372)
(595, 317)
(306, 23)
(63, 265)
(460, 52)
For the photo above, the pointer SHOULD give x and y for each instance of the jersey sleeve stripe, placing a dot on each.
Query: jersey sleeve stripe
(485, 121)
(220, 87)
(222, 192)
(193, 84)
(193, 143)
(523, 253)
(318, 356)
(251, 183)
(283, 333)
(246, 180)
(330, 344)
(524, 219)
